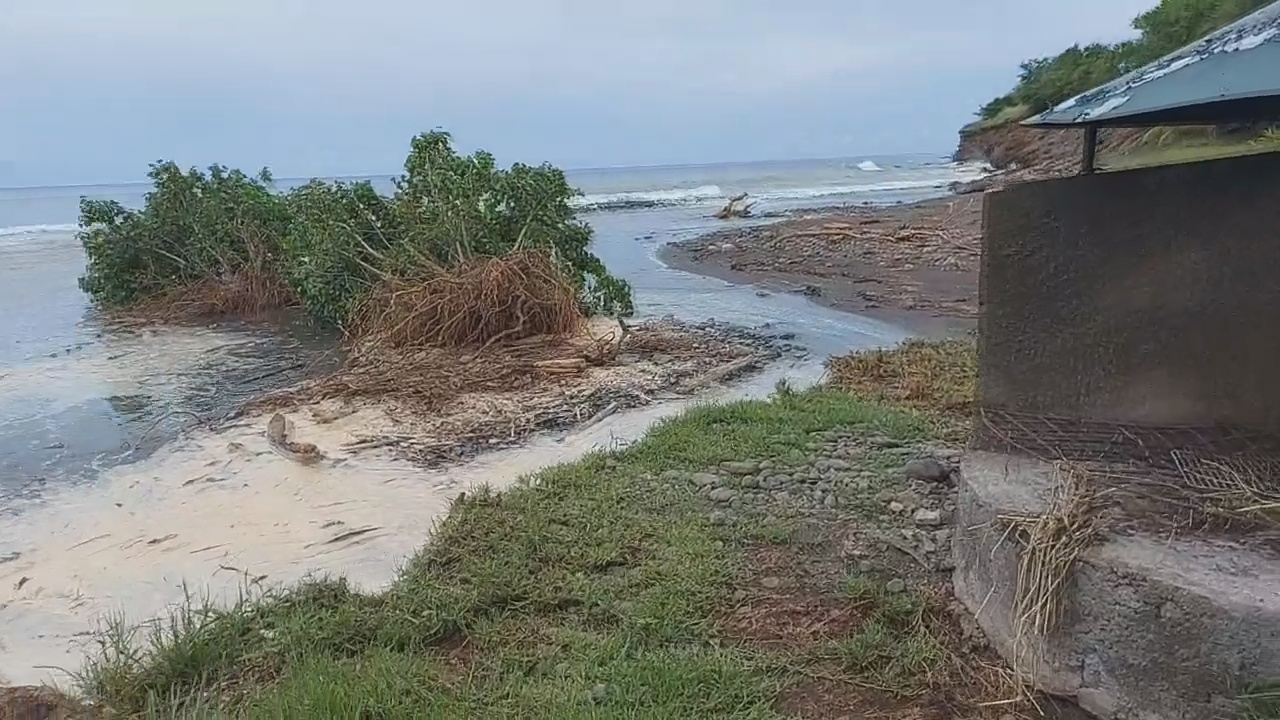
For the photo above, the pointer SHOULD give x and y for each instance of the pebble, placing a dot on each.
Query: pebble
(833, 464)
(896, 585)
(705, 479)
(927, 470)
(925, 517)
(844, 471)
(722, 495)
(771, 583)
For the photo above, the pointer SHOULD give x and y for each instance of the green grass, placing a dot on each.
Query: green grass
(1261, 702)
(1007, 116)
(588, 591)
(894, 650)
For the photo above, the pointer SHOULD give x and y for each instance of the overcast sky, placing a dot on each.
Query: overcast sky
(92, 90)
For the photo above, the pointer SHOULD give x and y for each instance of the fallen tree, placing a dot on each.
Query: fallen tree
(221, 242)
(733, 210)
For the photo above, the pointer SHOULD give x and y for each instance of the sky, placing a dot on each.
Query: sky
(93, 90)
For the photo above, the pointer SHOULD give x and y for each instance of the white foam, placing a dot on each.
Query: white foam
(868, 166)
(18, 235)
(673, 196)
(201, 515)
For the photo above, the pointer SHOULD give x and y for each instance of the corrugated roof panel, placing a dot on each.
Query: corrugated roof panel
(1228, 76)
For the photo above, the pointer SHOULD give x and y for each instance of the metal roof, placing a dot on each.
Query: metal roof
(1232, 75)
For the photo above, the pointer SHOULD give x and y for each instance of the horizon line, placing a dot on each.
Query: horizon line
(597, 168)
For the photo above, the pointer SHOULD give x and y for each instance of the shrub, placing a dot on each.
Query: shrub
(331, 243)
(194, 227)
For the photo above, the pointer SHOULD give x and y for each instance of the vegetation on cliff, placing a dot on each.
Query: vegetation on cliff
(1047, 81)
(224, 242)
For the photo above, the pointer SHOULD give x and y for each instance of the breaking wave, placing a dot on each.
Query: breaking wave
(934, 178)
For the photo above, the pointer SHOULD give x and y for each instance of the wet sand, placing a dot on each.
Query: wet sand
(217, 512)
(912, 265)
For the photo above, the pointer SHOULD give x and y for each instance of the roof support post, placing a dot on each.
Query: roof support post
(1087, 161)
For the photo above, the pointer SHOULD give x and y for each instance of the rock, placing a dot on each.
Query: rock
(750, 482)
(722, 495)
(928, 518)
(705, 479)
(771, 583)
(896, 585)
(909, 500)
(672, 475)
(599, 693)
(926, 469)
(740, 467)
(830, 501)
(718, 517)
(897, 508)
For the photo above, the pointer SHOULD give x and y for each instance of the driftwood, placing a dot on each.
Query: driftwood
(279, 432)
(562, 366)
(717, 374)
(733, 210)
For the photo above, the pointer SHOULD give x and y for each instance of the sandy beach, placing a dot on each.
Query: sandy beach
(914, 265)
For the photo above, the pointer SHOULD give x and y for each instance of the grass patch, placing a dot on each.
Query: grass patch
(938, 378)
(1261, 702)
(895, 649)
(588, 591)
(1006, 116)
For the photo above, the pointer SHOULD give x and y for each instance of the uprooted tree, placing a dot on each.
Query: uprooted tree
(732, 209)
(224, 242)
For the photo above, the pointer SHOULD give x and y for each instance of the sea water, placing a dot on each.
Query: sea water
(76, 397)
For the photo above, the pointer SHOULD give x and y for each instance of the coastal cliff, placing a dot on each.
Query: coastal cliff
(1011, 145)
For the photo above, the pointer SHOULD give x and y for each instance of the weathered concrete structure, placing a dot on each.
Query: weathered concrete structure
(1147, 299)
(1154, 630)
(1146, 296)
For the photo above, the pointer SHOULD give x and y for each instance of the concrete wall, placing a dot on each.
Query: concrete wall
(1147, 296)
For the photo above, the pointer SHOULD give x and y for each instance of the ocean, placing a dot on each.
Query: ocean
(76, 396)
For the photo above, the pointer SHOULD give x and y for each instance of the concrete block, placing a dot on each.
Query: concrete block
(1154, 629)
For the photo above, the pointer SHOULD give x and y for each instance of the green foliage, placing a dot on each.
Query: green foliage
(194, 226)
(1045, 82)
(332, 241)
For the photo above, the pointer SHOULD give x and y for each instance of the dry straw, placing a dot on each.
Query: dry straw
(935, 377)
(1052, 542)
(246, 295)
(478, 302)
